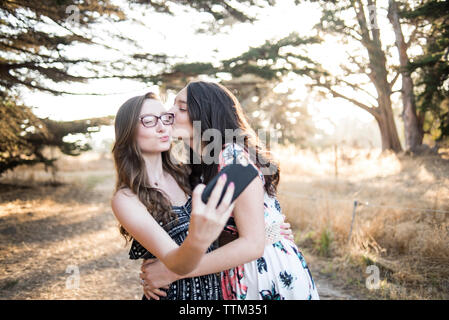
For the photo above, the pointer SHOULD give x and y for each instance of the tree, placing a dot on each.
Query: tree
(273, 112)
(412, 123)
(35, 43)
(253, 77)
(36, 39)
(17, 121)
(431, 68)
(23, 136)
(367, 77)
(349, 21)
(424, 97)
(368, 60)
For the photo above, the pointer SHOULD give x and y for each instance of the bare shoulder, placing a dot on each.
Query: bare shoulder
(123, 193)
(122, 197)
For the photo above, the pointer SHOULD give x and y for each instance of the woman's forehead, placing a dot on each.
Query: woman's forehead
(152, 106)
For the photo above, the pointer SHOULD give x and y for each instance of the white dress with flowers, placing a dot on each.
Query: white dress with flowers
(281, 273)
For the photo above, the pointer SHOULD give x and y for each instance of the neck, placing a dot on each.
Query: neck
(153, 164)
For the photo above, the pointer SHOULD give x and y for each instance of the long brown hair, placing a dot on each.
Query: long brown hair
(130, 165)
(216, 107)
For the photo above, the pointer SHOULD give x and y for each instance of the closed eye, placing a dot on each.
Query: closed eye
(180, 106)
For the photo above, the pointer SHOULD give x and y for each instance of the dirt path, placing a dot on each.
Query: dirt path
(330, 285)
(48, 235)
(328, 292)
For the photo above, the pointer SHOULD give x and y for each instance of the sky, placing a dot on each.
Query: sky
(175, 35)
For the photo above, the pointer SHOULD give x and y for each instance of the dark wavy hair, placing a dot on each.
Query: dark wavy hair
(130, 165)
(217, 108)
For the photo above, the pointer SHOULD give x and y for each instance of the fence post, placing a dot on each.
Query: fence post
(336, 161)
(353, 218)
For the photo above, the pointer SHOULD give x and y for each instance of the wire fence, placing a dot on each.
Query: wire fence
(358, 203)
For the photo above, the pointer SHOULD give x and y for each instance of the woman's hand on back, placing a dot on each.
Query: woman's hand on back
(156, 277)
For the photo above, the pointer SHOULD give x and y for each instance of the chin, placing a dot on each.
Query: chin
(165, 146)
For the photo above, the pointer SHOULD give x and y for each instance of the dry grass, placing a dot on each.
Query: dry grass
(411, 247)
(46, 228)
(50, 221)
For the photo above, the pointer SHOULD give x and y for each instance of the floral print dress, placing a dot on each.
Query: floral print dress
(282, 272)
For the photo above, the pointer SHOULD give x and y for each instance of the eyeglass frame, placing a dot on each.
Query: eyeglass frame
(157, 119)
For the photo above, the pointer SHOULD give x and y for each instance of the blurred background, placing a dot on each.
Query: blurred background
(356, 93)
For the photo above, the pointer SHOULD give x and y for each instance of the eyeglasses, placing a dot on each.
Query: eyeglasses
(150, 120)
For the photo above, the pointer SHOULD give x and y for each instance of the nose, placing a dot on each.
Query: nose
(160, 127)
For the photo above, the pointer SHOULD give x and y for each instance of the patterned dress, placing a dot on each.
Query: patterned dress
(197, 288)
(282, 272)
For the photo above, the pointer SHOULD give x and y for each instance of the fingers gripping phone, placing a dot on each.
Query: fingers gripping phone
(237, 173)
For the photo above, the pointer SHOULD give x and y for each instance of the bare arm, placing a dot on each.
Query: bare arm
(206, 223)
(249, 217)
(249, 246)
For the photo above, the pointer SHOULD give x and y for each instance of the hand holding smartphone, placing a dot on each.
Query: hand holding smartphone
(237, 173)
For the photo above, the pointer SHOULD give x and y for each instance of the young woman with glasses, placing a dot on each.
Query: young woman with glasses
(153, 202)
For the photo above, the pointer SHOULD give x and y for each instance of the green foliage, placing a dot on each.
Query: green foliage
(270, 61)
(23, 136)
(35, 53)
(274, 59)
(16, 125)
(219, 9)
(33, 58)
(432, 67)
(36, 38)
(366, 261)
(254, 77)
(323, 245)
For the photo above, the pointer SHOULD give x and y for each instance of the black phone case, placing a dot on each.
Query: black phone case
(237, 173)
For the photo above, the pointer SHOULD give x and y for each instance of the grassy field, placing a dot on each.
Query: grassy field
(52, 223)
(409, 245)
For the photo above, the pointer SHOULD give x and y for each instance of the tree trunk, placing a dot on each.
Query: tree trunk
(387, 126)
(413, 130)
(378, 65)
(385, 115)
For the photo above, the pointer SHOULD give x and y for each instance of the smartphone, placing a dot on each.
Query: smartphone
(237, 173)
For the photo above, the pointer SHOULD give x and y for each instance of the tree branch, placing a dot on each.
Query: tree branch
(357, 87)
(393, 81)
(360, 13)
(371, 109)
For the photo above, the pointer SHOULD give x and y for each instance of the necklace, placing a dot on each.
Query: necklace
(157, 183)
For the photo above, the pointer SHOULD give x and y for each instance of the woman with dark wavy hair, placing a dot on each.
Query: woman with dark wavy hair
(259, 263)
(153, 202)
